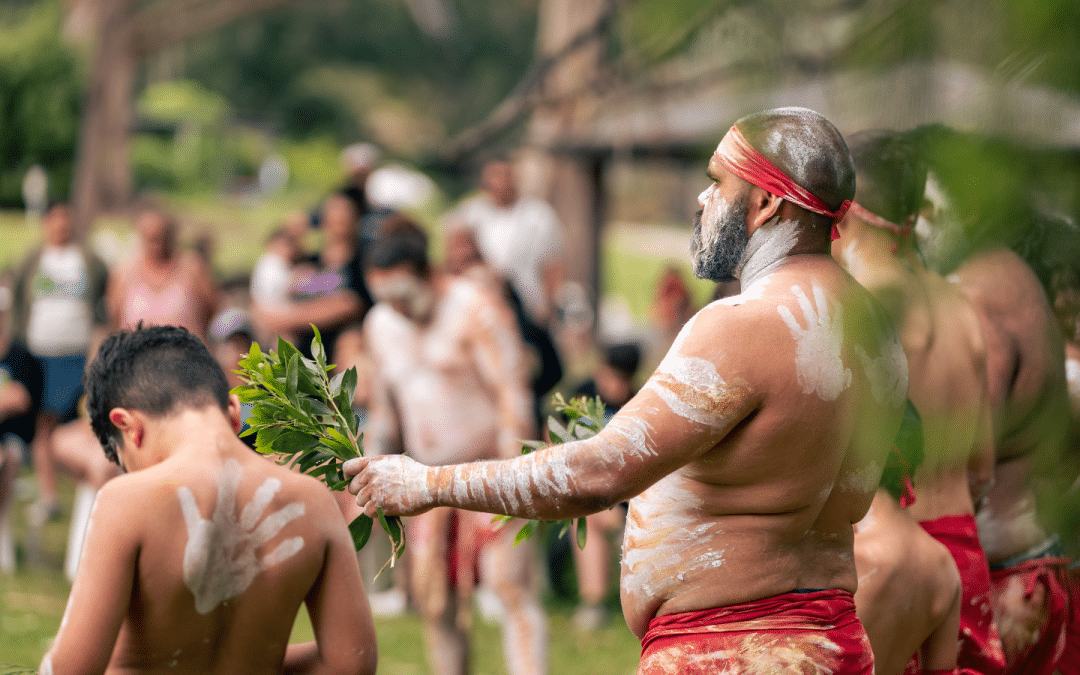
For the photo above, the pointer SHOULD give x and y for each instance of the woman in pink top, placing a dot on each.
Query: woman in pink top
(162, 285)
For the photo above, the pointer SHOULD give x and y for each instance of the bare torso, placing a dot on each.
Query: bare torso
(909, 590)
(1027, 389)
(769, 509)
(219, 555)
(946, 361)
(448, 404)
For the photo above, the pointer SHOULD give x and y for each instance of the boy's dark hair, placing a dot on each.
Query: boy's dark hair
(400, 242)
(154, 370)
(892, 176)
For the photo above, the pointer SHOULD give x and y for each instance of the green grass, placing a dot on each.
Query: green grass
(32, 604)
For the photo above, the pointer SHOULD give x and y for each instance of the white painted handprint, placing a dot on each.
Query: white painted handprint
(220, 559)
(888, 373)
(817, 347)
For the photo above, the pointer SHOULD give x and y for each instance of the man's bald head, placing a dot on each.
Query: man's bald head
(892, 177)
(807, 148)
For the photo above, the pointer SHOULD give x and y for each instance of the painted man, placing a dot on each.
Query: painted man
(1030, 402)
(451, 385)
(751, 450)
(198, 559)
(947, 365)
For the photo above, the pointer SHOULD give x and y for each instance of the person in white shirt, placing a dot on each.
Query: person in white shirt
(519, 236)
(58, 300)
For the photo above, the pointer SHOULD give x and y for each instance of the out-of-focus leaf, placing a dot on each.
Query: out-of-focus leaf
(360, 529)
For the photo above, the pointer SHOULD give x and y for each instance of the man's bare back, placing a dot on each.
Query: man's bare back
(198, 560)
(810, 427)
(1027, 389)
(913, 589)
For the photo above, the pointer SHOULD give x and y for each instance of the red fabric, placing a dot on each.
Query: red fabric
(1040, 658)
(468, 534)
(795, 632)
(743, 160)
(1070, 660)
(980, 646)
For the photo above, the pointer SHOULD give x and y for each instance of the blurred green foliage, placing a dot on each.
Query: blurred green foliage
(40, 98)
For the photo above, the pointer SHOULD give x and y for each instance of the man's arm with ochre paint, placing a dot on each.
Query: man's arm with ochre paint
(684, 410)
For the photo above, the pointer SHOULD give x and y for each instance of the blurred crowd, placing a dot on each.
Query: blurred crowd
(59, 302)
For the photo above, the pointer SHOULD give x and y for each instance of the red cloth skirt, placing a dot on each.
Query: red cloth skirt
(1070, 660)
(980, 646)
(816, 632)
(1048, 578)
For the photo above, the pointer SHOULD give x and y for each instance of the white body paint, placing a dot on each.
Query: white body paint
(1072, 378)
(888, 372)
(767, 249)
(818, 346)
(665, 539)
(220, 558)
(861, 480)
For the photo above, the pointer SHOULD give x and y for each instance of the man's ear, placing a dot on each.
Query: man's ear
(763, 207)
(130, 426)
(235, 413)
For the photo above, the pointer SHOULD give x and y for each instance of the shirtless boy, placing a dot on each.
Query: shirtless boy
(947, 364)
(752, 449)
(199, 557)
(451, 385)
(1030, 402)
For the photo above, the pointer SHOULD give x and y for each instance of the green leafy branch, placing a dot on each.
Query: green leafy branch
(304, 417)
(584, 419)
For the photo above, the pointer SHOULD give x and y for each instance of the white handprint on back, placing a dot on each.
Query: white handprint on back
(220, 559)
(817, 347)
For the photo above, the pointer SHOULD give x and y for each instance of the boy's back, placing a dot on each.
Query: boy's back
(199, 559)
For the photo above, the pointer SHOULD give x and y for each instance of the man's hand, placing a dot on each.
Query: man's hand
(396, 484)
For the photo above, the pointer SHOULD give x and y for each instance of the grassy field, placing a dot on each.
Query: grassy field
(32, 604)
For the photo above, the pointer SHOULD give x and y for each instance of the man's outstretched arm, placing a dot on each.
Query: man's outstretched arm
(684, 410)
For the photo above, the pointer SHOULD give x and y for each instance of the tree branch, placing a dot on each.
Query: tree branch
(171, 21)
(526, 95)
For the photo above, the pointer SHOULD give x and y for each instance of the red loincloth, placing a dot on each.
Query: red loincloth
(1041, 657)
(1070, 660)
(980, 646)
(814, 632)
(468, 534)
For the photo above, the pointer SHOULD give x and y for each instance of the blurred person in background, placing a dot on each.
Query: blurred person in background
(946, 358)
(58, 304)
(274, 277)
(335, 296)
(1021, 518)
(20, 396)
(672, 307)
(162, 285)
(613, 382)
(519, 236)
(450, 385)
(463, 257)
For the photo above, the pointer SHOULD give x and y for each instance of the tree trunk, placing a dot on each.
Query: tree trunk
(572, 181)
(103, 167)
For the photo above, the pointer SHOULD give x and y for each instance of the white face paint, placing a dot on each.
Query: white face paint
(888, 373)
(220, 560)
(818, 347)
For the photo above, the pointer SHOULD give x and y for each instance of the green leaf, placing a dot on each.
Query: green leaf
(348, 382)
(292, 442)
(582, 532)
(249, 394)
(360, 529)
(392, 526)
(292, 374)
(335, 383)
(558, 432)
(317, 349)
(526, 532)
(267, 435)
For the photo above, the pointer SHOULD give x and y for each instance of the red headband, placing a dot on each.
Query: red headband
(867, 216)
(743, 160)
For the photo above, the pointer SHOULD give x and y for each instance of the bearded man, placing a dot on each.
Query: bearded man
(753, 448)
